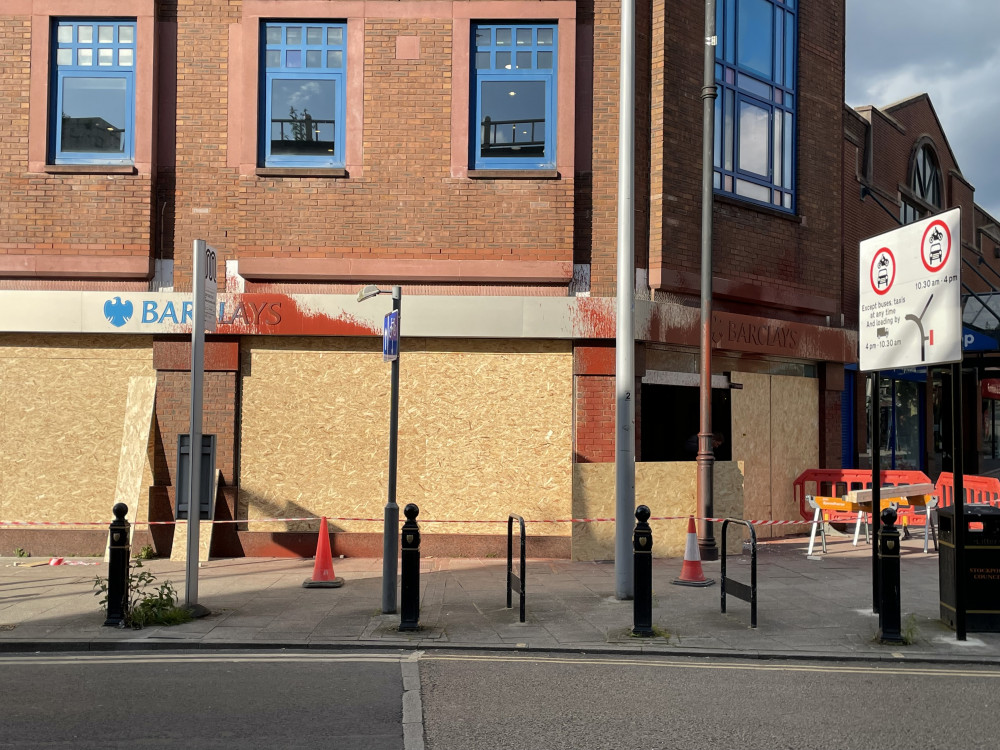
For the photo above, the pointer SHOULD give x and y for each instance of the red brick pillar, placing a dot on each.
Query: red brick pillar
(831, 396)
(594, 403)
(172, 360)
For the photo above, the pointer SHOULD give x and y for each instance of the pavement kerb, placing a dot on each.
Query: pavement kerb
(12, 647)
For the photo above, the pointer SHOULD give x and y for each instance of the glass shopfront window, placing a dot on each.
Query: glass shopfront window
(900, 421)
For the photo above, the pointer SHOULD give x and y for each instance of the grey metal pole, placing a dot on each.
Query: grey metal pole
(958, 473)
(197, 384)
(706, 452)
(624, 329)
(876, 437)
(390, 532)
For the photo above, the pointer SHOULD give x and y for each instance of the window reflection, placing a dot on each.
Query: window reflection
(754, 69)
(513, 118)
(754, 37)
(94, 115)
(754, 137)
(303, 116)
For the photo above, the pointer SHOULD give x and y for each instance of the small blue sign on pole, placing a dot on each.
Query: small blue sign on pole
(390, 337)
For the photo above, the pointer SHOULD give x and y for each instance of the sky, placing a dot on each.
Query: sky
(949, 50)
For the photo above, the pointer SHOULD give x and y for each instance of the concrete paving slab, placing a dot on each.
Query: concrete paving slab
(807, 608)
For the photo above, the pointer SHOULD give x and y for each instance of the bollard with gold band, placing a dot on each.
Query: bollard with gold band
(409, 599)
(642, 551)
(118, 545)
(888, 552)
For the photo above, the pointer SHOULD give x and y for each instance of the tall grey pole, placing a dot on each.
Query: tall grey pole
(390, 531)
(958, 473)
(706, 451)
(875, 414)
(624, 330)
(197, 384)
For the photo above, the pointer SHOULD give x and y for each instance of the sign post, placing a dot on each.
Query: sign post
(205, 292)
(911, 316)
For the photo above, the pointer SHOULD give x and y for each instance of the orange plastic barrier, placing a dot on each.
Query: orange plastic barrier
(838, 482)
(985, 490)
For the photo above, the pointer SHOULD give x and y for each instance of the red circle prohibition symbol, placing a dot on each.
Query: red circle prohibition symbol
(943, 256)
(872, 273)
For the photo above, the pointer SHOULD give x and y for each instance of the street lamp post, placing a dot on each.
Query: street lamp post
(390, 529)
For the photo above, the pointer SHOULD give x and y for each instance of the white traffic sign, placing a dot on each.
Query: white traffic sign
(910, 295)
(211, 291)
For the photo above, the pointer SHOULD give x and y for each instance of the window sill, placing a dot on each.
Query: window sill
(334, 172)
(759, 207)
(90, 169)
(513, 174)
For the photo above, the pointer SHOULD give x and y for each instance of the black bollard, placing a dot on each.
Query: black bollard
(888, 553)
(642, 553)
(118, 544)
(409, 604)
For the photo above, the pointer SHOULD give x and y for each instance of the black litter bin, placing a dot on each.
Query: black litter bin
(981, 553)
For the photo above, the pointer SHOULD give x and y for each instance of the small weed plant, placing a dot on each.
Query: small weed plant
(145, 602)
(21, 552)
(146, 552)
(910, 630)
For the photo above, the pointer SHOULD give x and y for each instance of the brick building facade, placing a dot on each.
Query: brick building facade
(508, 272)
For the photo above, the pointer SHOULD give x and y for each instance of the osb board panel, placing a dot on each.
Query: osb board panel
(668, 488)
(751, 431)
(75, 346)
(134, 457)
(178, 550)
(795, 446)
(484, 430)
(62, 406)
(133, 461)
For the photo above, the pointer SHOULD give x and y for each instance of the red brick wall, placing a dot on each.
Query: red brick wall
(173, 400)
(896, 134)
(594, 438)
(756, 246)
(61, 214)
(404, 205)
(604, 186)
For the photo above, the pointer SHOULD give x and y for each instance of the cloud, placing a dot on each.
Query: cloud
(951, 51)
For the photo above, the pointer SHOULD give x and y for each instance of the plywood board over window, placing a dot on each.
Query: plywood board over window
(776, 434)
(669, 489)
(484, 430)
(62, 407)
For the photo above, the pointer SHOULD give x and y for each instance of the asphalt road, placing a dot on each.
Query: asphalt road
(204, 700)
(478, 701)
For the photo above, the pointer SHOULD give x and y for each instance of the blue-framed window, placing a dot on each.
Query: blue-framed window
(93, 83)
(302, 96)
(755, 69)
(514, 96)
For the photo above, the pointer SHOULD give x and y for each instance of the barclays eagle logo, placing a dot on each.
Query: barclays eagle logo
(117, 312)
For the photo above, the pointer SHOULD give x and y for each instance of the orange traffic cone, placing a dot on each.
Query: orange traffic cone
(323, 577)
(691, 572)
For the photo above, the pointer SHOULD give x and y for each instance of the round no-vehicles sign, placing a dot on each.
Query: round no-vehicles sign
(910, 295)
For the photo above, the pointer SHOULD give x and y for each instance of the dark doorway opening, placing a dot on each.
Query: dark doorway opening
(670, 419)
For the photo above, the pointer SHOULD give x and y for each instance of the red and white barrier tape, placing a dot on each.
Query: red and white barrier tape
(102, 524)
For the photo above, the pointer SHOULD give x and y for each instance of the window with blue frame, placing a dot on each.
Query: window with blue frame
(514, 96)
(755, 69)
(302, 94)
(93, 84)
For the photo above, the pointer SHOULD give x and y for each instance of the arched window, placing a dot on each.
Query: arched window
(925, 182)
(925, 176)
